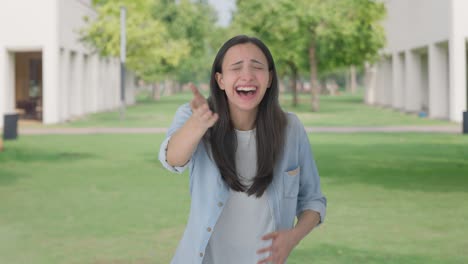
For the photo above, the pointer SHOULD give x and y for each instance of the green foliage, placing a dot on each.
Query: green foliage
(164, 37)
(149, 46)
(353, 35)
(276, 24)
(194, 22)
(344, 32)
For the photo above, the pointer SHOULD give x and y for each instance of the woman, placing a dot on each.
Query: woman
(251, 166)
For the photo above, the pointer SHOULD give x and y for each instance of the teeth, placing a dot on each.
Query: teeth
(246, 89)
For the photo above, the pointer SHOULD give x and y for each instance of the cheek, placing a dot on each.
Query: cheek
(265, 78)
(228, 81)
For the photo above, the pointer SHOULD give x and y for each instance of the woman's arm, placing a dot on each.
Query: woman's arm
(183, 142)
(305, 223)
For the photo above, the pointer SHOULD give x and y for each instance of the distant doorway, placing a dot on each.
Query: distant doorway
(28, 85)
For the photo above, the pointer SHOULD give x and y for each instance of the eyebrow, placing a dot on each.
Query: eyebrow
(252, 60)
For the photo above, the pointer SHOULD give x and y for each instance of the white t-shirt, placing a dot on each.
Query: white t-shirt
(245, 219)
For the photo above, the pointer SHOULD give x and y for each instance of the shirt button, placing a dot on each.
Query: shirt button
(220, 204)
(208, 229)
(201, 254)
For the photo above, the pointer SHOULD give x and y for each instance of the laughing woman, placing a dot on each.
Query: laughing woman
(251, 166)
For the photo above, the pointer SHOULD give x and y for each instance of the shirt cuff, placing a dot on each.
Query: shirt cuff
(317, 206)
(163, 158)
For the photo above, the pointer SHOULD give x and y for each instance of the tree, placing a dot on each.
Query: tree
(333, 33)
(194, 22)
(276, 26)
(150, 48)
(341, 33)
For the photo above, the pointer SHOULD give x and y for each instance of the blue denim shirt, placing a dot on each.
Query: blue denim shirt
(295, 187)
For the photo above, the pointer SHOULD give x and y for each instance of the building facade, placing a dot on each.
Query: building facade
(423, 68)
(46, 73)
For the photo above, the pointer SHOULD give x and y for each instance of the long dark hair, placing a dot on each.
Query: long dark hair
(270, 126)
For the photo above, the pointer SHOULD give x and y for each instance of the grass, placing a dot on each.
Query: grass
(343, 110)
(393, 198)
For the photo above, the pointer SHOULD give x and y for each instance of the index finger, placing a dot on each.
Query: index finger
(269, 236)
(194, 89)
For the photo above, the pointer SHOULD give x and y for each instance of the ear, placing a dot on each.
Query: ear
(219, 80)
(270, 79)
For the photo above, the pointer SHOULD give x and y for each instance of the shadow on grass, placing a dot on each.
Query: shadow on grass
(8, 176)
(13, 154)
(336, 105)
(326, 253)
(167, 100)
(409, 166)
(14, 157)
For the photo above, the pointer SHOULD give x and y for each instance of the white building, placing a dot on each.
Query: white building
(45, 72)
(424, 65)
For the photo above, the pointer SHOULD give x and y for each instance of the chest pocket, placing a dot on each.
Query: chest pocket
(291, 183)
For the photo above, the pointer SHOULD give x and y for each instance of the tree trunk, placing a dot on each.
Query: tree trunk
(314, 89)
(353, 79)
(293, 83)
(156, 94)
(348, 81)
(168, 87)
(178, 86)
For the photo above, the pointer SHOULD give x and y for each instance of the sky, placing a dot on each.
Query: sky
(224, 8)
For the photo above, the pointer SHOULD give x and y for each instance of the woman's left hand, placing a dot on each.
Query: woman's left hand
(283, 243)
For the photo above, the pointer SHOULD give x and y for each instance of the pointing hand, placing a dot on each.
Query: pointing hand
(200, 109)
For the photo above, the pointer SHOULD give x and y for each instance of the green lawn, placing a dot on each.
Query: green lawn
(392, 198)
(344, 110)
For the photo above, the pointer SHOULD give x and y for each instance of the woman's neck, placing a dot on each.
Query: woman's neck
(243, 120)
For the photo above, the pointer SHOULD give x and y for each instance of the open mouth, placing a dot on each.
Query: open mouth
(246, 91)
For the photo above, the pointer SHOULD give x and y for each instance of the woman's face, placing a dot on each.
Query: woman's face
(245, 77)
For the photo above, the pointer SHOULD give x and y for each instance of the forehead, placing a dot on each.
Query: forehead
(244, 52)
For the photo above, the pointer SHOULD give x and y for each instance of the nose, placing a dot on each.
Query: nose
(247, 74)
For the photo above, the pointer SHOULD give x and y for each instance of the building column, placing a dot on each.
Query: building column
(438, 81)
(101, 90)
(86, 103)
(64, 84)
(78, 85)
(388, 82)
(398, 80)
(7, 83)
(413, 87)
(51, 97)
(370, 83)
(457, 95)
(72, 85)
(94, 82)
(3, 82)
(457, 61)
(424, 80)
(380, 82)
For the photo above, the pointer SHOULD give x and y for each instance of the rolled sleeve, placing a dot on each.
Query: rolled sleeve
(182, 115)
(163, 158)
(310, 194)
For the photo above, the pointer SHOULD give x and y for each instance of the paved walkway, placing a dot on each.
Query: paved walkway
(143, 130)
